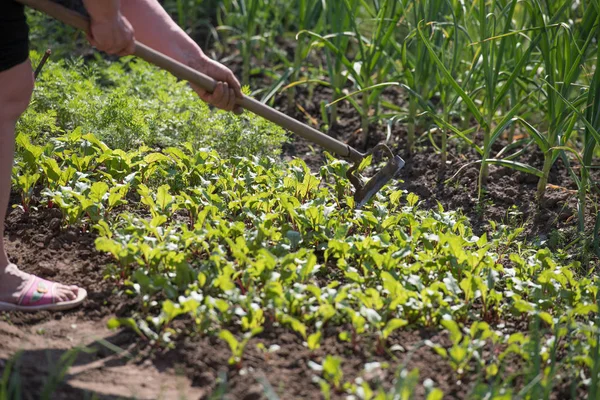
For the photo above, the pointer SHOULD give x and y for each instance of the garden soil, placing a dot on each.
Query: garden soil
(118, 364)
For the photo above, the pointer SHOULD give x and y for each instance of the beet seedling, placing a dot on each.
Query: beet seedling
(237, 347)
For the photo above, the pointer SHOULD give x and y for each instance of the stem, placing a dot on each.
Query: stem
(484, 170)
(296, 72)
(412, 112)
(334, 115)
(38, 70)
(541, 189)
(246, 65)
(365, 118)
(444, 146)
(180, 13)
(511, 132)
(337, 84)
(582, 200)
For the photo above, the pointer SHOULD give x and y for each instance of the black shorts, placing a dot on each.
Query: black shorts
(14, 34)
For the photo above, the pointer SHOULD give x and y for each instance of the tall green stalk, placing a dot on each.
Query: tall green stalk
(593, 116)
(309, 13)
(240, 18)
(564, 55)
(371, 66)
(417, 66)
(375, 56)
(492, 53)
(337, 43)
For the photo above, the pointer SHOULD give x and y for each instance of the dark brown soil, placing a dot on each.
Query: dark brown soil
(287, 370)
(198, 366)
(36, 241)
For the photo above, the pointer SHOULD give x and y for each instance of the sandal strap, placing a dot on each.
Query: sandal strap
(38, 292)
(27, 288)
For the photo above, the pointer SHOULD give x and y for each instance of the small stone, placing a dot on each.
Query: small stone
(47, 268)
(206, 377)
(54, 212)
(288, 338)
(255, 392)
(70, 237)
(55, 224)
(283, 352)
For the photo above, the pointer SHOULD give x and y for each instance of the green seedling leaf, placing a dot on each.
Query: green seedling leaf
(233, 343)
(412, 199)
(98, 191)
(51, 169)
(116, 323)
(295, 324)
(314, 340)
(332, 370)
(365, 163)
(392, 325)
(454, 330)
(344, 336)
(155, 157)
(435, 394)
(164, 200)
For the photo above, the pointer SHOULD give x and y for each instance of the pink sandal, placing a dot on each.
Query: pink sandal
(39, 294)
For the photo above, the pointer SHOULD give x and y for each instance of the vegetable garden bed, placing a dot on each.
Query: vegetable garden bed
(267, 271)
(244, 274)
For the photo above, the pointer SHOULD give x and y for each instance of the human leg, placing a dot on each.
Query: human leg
(16, 86)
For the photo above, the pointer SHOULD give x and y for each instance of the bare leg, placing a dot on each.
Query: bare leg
(16, 86)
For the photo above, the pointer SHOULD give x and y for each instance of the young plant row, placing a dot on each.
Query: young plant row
(232, 247)
(130, 103)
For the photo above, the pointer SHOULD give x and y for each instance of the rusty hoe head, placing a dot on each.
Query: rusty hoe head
(364, 192)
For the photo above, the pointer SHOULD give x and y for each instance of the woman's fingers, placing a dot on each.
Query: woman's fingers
(223, 97)
(217, 94)
(231, 102)
(234, 84)
(128, 50)
(228, 89)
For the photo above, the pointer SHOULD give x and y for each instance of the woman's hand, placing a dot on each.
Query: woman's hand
(113, 36)
(109, 29)
(228, 87)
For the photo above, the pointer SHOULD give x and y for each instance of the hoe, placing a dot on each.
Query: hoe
(363, 191)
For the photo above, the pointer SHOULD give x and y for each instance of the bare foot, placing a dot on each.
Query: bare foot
(13, 281)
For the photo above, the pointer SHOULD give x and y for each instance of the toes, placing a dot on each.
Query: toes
(66, 293)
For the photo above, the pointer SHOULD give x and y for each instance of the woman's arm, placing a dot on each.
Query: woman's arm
(112, 28)
(155, 28)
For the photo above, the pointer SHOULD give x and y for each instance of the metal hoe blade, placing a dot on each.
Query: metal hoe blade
(365, 192)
